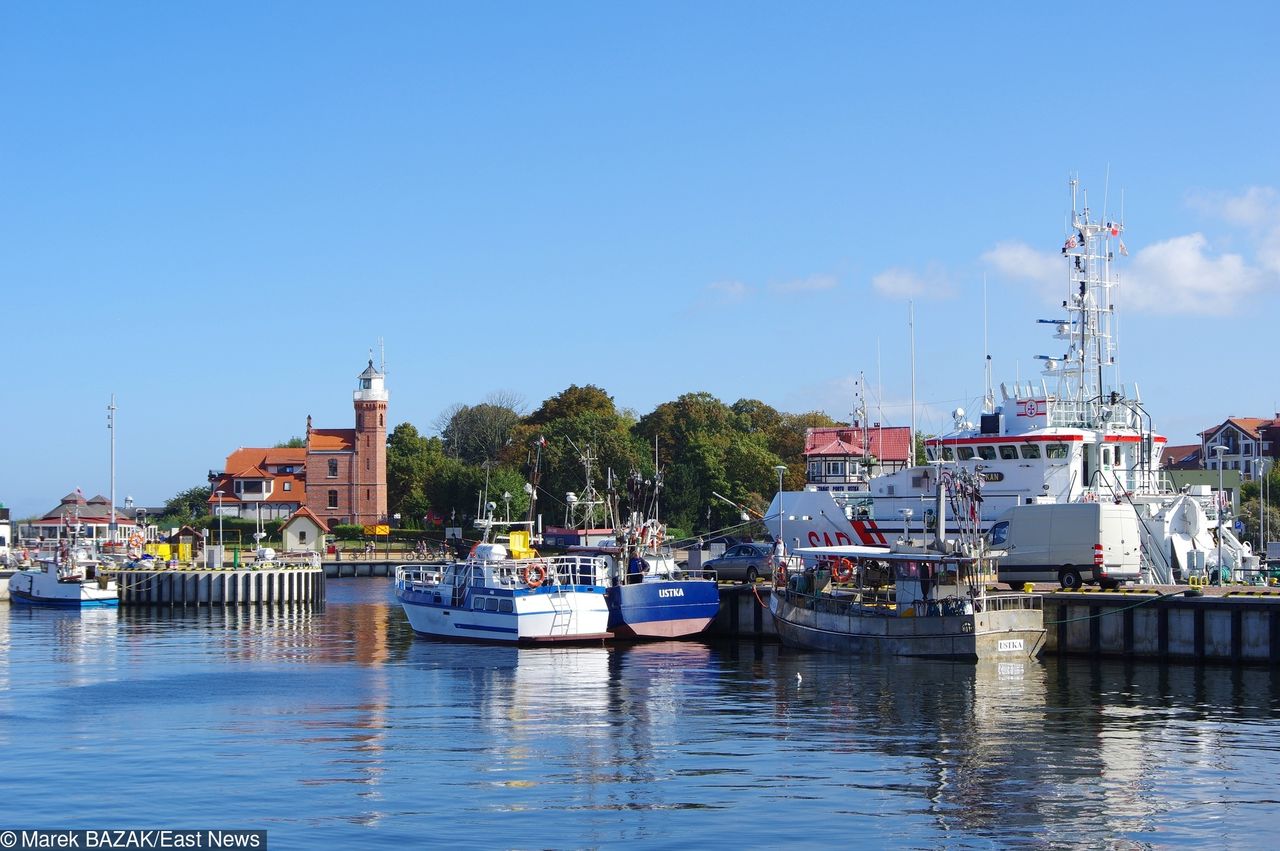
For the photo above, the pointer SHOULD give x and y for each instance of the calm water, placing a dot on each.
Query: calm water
(341, 729)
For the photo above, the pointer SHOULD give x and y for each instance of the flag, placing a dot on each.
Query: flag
(1071, 243)
(1124, 252)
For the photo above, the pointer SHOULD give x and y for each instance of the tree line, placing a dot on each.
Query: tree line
(700, 446)
(697, 443)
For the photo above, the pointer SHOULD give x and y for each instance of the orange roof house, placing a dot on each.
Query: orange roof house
(340, 476)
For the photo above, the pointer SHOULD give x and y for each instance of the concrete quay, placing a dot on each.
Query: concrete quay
(195, 586)
(1230, 625)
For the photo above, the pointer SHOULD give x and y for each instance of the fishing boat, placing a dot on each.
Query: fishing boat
(649, 595)
(937, 607)
(1075, 435)
(509, 596)
(70, 577)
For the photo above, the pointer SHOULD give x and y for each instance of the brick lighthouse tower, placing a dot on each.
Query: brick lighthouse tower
(369, 497)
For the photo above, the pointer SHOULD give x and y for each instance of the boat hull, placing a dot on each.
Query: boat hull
(26, 599)
(577, 613)
(663, 608)
(1000, 634)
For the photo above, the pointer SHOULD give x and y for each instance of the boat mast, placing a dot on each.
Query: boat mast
(1083, 389)
(911, 323)
(111, 427)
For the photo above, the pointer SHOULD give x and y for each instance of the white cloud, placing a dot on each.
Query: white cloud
(1178, 275)
(905, 283)
(811, 284)
(728, 292)
(1258, 210)
(1257, 207)
(1019, 261)
(1182, 275)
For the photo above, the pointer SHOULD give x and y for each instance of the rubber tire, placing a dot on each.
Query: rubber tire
(1015, 586)
(752, 575)
(1069, 579)
(1109, 584)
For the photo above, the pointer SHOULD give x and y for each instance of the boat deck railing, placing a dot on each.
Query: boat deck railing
(556, 571)
(877, 605)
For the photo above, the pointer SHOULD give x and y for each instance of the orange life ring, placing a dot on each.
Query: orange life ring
(136, 540)
(780, 576)
(843, 570)
(534, 575)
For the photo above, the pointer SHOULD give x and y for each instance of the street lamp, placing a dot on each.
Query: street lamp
(1218, 451)
(219, 494)
(1257, 475)
(781, 469)
(506, 499)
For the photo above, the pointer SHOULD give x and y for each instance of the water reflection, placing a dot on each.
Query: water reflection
(340, 720)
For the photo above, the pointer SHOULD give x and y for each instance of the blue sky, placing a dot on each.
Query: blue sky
(216, 210)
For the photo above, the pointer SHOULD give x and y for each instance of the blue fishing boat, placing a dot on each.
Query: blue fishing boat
(649, 596)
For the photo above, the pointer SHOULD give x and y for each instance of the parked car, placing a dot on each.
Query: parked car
(745, 562)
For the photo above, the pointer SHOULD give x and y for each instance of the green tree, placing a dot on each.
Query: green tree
(186, 507)
(479, 433)
(293, 443)
(708, 447)
(560, 431)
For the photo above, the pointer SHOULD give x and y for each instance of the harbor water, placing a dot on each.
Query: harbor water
(338, 728)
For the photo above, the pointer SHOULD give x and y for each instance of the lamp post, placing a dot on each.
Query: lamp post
(1218, 452)
(221, 545)
(1257, 471)
(781, 470)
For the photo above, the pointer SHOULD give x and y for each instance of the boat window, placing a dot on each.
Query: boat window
(491, 604)
(1030, 450)
(1055, 450)
(504, 605)
(964, 453)
(477, 603)
(1106, 456)
(928, 453)
(1008, 453)
(1000, 533)
(987, 453)
(948, 454)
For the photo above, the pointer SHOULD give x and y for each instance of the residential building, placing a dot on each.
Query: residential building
(845, 457)
(1246, 440)
(340, 476)
(1186, 456)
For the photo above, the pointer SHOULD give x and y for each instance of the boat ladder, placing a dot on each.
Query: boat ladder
(563, 617)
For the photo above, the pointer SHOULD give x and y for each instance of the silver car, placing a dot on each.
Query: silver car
(745, 562)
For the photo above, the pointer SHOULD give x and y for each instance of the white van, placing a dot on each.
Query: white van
(1068, 543)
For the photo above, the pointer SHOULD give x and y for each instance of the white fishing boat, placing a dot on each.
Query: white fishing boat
(938, 604)
(70, 577)
(1075, 435)
(491, 596)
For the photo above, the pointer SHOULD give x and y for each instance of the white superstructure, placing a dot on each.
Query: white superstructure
(1073, 435)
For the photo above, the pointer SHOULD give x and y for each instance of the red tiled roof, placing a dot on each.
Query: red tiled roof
(331, 440)
(303, 511)
(1172, 456)
(886, 443)
(1248, 425)
(252, 463)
